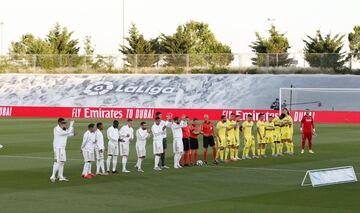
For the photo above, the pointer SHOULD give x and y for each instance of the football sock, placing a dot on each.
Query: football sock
(157, 159)
(236, 152)
(102, 166)
(226, 153)
(195, 156)
(231, 153)
(89, 167)
(221, 154)
(124, 161)
(214, 153)
(55, 169)
(272, 148)
(108, 163)
(205, 155)
(259, 151)
(185, 157)
(190, 156)
(140, 162)
(291, 147)
(97, 166)
(163, 159)
(253, 150)
(61, 169)
(114, 161)
(84, 172)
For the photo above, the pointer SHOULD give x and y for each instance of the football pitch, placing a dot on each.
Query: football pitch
(259, 185)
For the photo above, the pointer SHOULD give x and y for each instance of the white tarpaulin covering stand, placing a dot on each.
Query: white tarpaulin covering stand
(330, 176)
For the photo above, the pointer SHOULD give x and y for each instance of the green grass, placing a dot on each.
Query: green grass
(266, 185)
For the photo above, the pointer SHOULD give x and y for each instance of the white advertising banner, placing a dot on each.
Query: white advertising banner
(330, 176)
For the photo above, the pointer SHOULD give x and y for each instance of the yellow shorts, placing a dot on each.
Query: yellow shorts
(221, 144)
(269, 139)
(237, 141)
(277, 136)
(285, 135)
(263, 141)
(231, 141)
(249, 141)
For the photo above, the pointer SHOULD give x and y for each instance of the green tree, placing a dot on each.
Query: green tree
(325, 51)
(271, 51)
(197, 40)
(57, 49)
(139, 52)
(354, 42)
(61, 42)
(88, 50)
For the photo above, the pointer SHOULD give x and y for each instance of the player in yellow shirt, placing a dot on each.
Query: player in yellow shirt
(221, 135)
(277, 136)
(249, 140)
(285, 130)
(289, 144)
(269, 134)
(261, 135)
(237, 136)
(230, 124)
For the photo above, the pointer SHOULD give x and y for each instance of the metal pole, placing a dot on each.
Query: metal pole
(280, 101)
(2, 38)
(291, 93)
(123, 31)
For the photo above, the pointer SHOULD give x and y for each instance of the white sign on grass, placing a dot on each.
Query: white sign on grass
(330, 176)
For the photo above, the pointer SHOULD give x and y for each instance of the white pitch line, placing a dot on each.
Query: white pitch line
(222, 167)
(33, 157)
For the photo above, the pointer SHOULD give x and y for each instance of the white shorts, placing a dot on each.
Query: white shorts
(113, 148)
(140, 150)
(158, 147)
(59, 154)
(88, 155)
(178, 146)
(99, 155)
(124, 149)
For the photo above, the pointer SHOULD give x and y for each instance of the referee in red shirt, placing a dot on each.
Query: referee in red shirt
(194, 143)
(186, 143)
(207, 129)
(308, 129)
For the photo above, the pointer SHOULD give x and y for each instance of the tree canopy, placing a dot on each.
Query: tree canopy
(325, 51)
(271, 51)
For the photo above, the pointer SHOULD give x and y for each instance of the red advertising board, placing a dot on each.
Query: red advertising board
(149, 113)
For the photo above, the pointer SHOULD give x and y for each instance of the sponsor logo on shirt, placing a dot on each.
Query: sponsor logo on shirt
(104, 87)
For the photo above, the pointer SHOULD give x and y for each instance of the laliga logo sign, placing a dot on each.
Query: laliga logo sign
(101, 88)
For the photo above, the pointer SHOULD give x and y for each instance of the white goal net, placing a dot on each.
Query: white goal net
(320, 99)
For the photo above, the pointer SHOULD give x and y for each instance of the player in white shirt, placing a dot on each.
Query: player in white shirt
(113, 146)
(99, 150)
(88, 149)
(178, 146)
(168, 125)
(141, 136)
(158, 134)
(61, 134)
(126, 136)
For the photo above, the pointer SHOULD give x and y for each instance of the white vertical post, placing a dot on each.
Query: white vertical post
(280, 100)
(2, 38)
(187, 63)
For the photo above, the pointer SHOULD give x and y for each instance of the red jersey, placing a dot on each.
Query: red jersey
(207, 128)
(307, 123)
(193, 129)
(186, 132)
